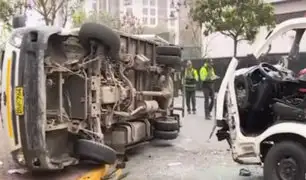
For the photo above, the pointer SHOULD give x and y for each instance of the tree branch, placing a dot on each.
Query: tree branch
(60, 5)
(39, 11)
(45, 13)
(226, 33)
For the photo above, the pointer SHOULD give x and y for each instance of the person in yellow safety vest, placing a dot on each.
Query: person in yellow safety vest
(191, 78)
(207, 76)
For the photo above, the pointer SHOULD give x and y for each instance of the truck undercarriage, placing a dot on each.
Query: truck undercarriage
(88, 94)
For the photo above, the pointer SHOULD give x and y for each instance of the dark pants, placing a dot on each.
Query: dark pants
(209, 96)
(190, 96)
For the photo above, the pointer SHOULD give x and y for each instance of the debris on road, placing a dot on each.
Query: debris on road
(1, 163)
(244, 172)
(175, 164)
(17, 171)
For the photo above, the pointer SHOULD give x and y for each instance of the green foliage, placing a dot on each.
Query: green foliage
(238, 19)
(8, 10)
(70, 7)
(78, 17)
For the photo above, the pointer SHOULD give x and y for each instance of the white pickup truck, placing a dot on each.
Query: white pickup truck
(262, 114)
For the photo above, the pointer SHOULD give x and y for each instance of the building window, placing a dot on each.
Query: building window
(152, 21)
(152, 12)
(172, 17)
(129, 11)
(149, 12)
(145, 11)
(94, 4)
(152, 2)
(145, 2)
(145, 20)
(127, 2)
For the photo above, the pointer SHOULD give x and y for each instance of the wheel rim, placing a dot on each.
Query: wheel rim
(287, 169)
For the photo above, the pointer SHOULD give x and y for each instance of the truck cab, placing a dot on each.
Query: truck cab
(261, 111)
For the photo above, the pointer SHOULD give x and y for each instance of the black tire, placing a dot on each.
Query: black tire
(173, 61)
(168, 124)
(169, 51)
(103, 34)
(280, 153)
(165, 135)
(94, 151)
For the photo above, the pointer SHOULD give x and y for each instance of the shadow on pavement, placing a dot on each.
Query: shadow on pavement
(72, 172)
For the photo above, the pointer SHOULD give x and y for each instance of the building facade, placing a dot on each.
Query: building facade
(166, 18)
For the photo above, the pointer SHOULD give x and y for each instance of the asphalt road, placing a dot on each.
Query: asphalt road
(189, 157)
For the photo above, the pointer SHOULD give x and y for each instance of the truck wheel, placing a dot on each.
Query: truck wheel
(285, 160)
(169, 51)
(168, 60)
(94, 151)
(166, 135)
(169, 124)
(101, 33)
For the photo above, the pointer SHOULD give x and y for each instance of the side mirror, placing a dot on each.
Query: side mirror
(19, 21)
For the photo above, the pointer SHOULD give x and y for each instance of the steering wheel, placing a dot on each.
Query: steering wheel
(271, 72)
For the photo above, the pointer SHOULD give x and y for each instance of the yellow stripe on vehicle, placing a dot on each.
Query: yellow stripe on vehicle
(8, 99)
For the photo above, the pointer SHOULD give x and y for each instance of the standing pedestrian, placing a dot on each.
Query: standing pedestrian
(191, 78)
(207, 77)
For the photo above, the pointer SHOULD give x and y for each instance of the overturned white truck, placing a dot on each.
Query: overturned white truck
(87, 94)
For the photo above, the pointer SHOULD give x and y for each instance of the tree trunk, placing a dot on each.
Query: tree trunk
(235, 46)
(46, 20)
(65, 20)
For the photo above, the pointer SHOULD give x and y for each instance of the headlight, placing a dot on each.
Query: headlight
(16, 40)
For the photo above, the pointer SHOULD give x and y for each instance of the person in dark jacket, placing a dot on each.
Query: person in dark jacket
(191, 78)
